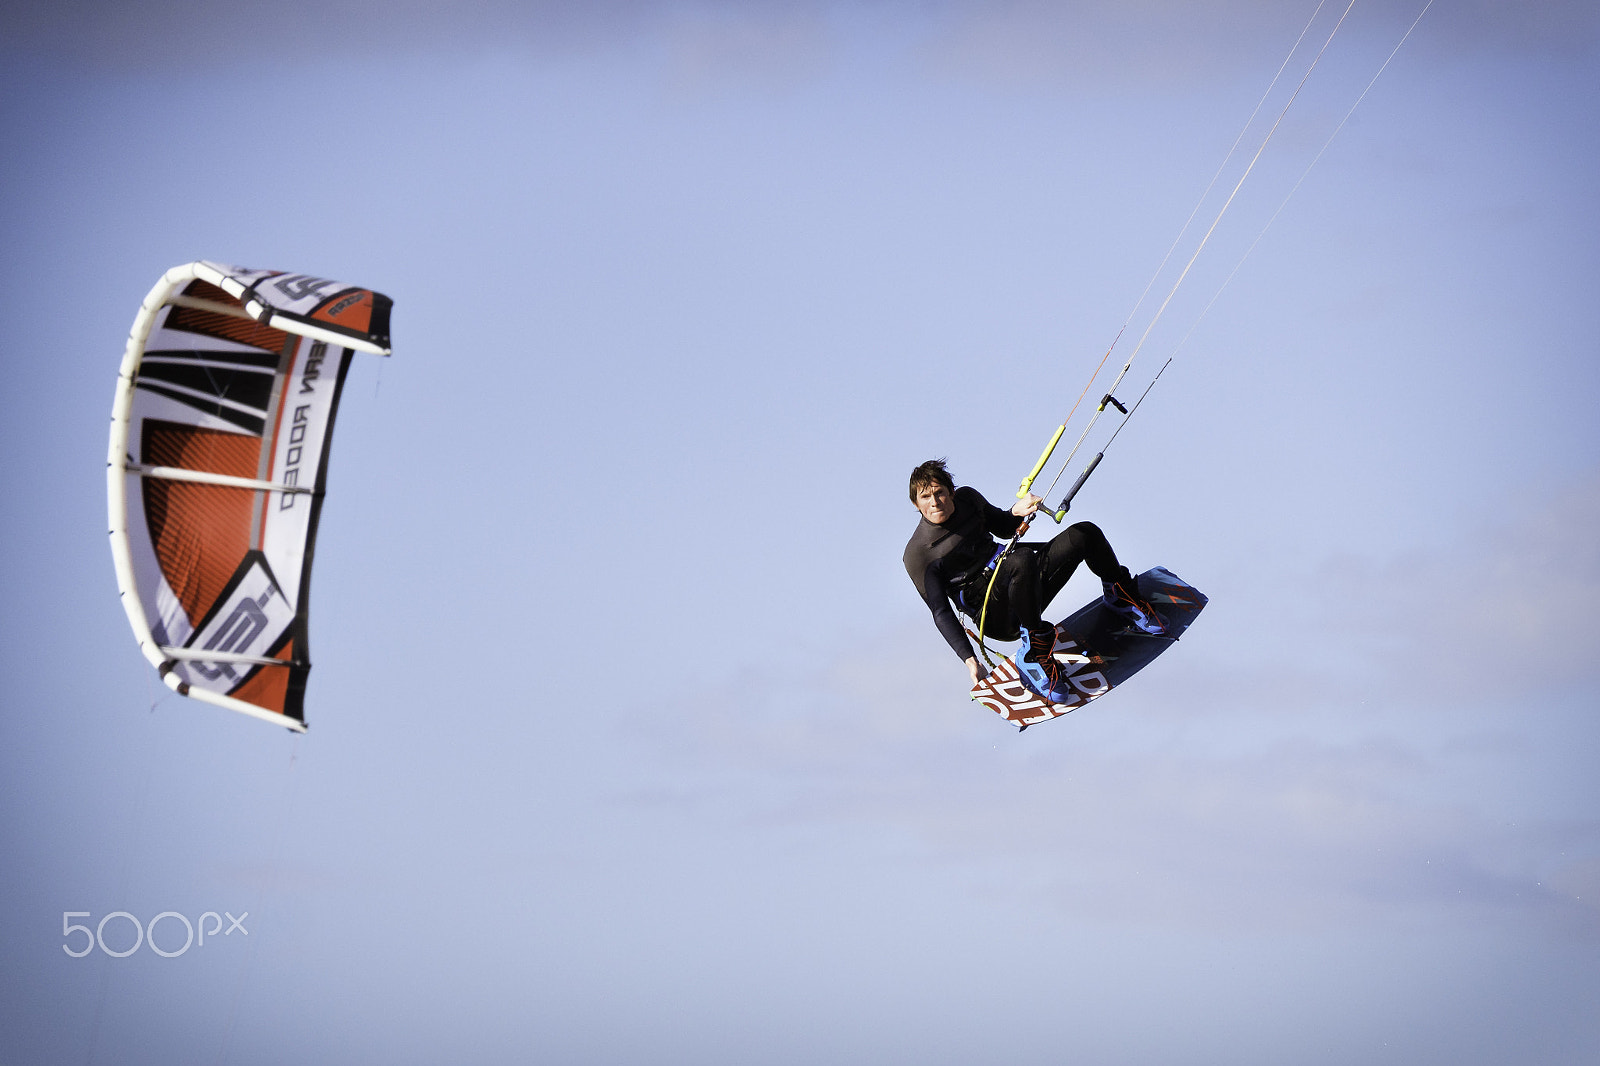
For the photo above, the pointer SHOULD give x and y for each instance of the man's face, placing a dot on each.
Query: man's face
(936, 503)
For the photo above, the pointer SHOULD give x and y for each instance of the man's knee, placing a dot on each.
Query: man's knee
(1085, 533)
(1024, 564)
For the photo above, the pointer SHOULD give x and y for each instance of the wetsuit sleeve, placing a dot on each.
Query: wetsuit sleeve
(999, 521)
(937, 597)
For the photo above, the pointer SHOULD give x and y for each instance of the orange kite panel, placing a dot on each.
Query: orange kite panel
(200, 532)
(270, 687)
(353, 311)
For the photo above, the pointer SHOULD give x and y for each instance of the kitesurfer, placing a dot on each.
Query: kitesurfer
(951, 557)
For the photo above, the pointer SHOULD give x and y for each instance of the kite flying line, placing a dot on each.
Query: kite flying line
(1027, 482)
(1059, 513)
(1289, 196)
(1109, 398)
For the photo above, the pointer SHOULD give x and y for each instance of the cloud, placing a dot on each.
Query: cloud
(1130, 42)
(756, 46)
(1295, 795)
(145, 35)
(1493, 612)
(1132, 46)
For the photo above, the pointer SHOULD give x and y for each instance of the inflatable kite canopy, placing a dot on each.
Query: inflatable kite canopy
(216, 468)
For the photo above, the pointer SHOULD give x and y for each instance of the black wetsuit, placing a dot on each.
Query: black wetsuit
(950, 562)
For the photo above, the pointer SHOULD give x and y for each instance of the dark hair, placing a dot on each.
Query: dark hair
(929, 473)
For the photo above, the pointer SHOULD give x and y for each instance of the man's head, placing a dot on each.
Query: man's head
(933, 491)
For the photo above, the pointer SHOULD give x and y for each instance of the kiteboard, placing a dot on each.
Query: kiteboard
(1098, 648)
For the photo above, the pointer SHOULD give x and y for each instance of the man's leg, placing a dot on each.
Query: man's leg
(1020, 573)
(1084, 542)
(1081, 542)
(1019, 583)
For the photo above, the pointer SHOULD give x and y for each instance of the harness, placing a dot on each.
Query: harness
(973, 594)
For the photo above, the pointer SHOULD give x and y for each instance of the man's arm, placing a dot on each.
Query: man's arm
(1007, 524)
(945, 618)
(937, 597)
(1012, 523)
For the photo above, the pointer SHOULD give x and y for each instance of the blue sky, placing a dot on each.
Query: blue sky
(630, 741)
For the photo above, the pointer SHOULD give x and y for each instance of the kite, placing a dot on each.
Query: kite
(216, 471)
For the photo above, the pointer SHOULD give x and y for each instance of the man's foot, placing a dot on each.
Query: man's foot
(1041, 642)
(1122, 596)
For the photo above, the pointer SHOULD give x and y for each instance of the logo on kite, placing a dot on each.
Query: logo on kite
(299, 286)
(222, 422)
